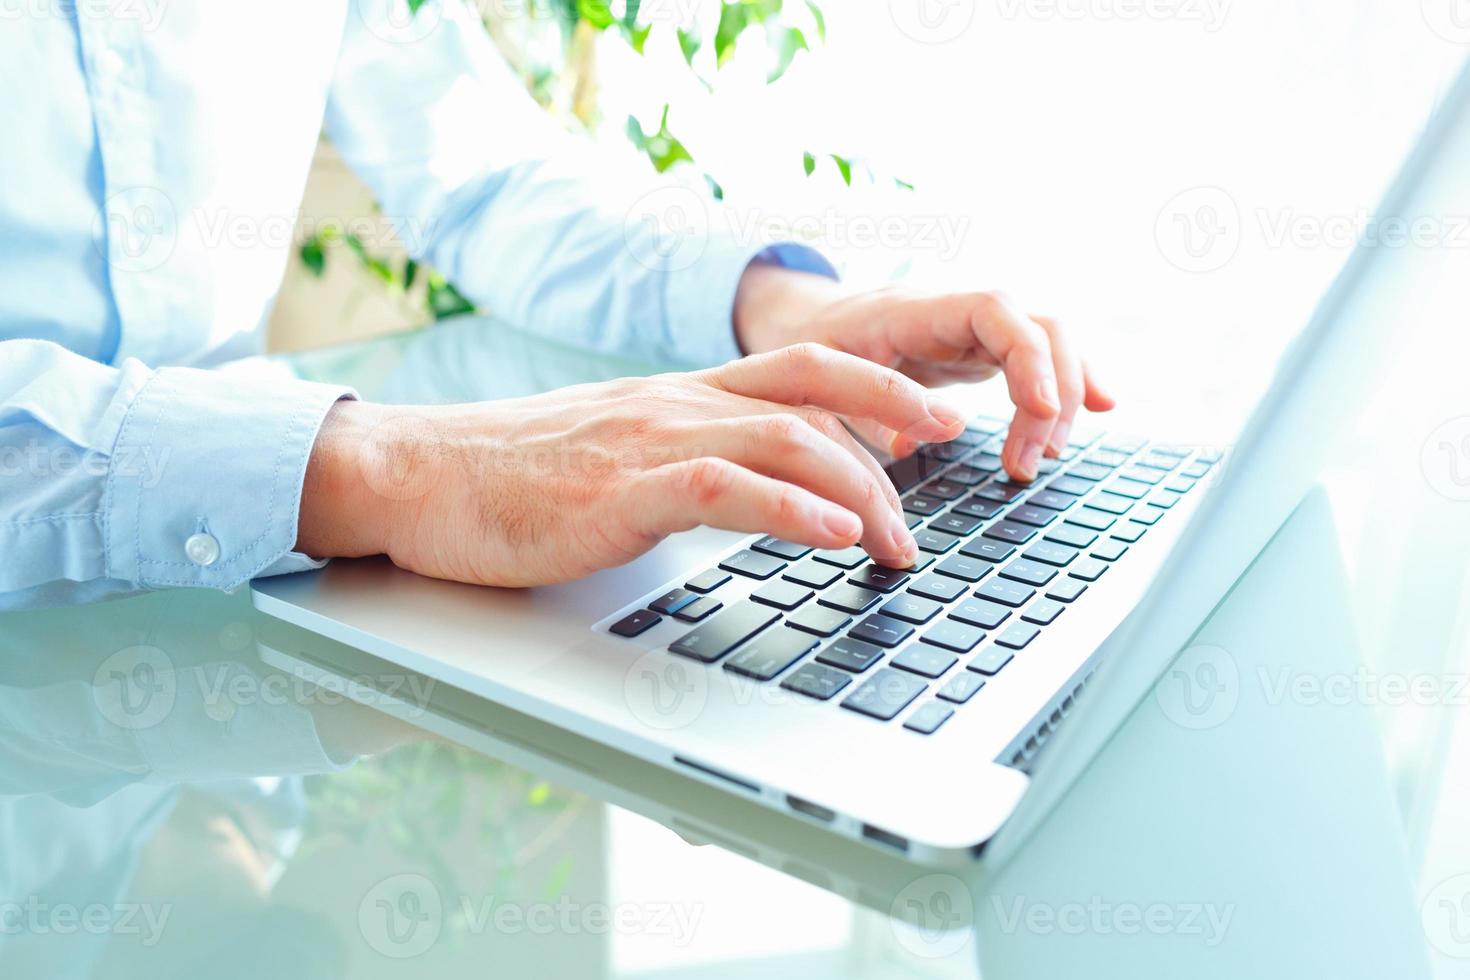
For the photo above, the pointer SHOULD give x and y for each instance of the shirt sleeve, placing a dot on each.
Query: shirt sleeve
(541, 229)
(122, 479)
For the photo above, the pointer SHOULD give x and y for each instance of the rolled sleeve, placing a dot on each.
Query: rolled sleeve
(219, 461)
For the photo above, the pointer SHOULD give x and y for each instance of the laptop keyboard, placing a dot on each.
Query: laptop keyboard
(999, 562)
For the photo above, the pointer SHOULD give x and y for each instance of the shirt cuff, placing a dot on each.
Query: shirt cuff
(219, 501)
(702, 298)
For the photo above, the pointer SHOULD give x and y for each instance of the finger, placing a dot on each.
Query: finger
(884, 439)
(816, 453)
(817, 376)
(717, 493)
(1096, 398)
(1070, 383)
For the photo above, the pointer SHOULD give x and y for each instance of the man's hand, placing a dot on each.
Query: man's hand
(935, 340)
(552, 488)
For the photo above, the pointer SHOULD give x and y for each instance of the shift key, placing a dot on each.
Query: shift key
(712, 640)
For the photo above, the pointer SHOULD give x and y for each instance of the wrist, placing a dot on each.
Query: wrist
(776, 307)
(343, 513)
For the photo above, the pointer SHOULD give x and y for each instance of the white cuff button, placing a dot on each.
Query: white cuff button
(202, 549)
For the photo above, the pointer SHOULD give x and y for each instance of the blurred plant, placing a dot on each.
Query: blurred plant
(552, 45)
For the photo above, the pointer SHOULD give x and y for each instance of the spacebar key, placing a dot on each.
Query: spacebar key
(725, 632)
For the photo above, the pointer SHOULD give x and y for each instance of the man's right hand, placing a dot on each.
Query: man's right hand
(551, 488)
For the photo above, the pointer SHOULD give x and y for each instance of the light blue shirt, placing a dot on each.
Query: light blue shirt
(152, 158)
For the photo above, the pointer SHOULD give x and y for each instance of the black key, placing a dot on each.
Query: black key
(1003, 492)
(818, 620)
(945, 489)
(671, 602)
(879, 578)
(1087, 471)
(981, 423)
(1071, 535)
(1164, 457)
(940, 587)
(1109, 550)
(1043, 612)
(753, 564)
(850, 654)
(1094, 520)
(1129, 532)
(967, 475)
(920, 563)
(699, 609)
(1052, 554)
(992, 551)
(771, 653)
(1051, 499)
(1066, 590)
(1131, 489)
(1195, 470)
(789, 550)
(963, 568)
(782, 595)
(1147, 515)
(911, 609)
(978, 507)
(1034, 516)
(1030, 572)
(1210, 455)
(1088, 569)
(816, 681)
(935, 542)
(912, 521)
(717, 637)
(885, 694)
(849, 598)
(961, 687)
(1009, 532)
(981, 612)
(1017, 635)
(1179, 485)
(1005, 592)
(1103, 457)
(928, 718)
(846, 558)
(916, 503)
(1164, 499)
(953, 523)
(1070, 485)
(926, 661)
(951, 635)
(635, 624)
(707, 581)
(990, 660)
(1127, 445)
(1048, 466)
(986, 462)
(881, 630)
(1110, 503)
(909, 473)
(813, 574)
(946, 452)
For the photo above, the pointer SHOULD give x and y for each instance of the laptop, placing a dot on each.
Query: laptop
(940, 711)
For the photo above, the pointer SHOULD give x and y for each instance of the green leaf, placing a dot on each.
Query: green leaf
(820, 19)
(410, 274)
(414, 5)
(663, 148)
(808, 162)
(598, 13)
(314, 256)
(637, 36)
(787, 42)
(844, 166)
(903, 185)
(445, 301)
(716, 191)
(733, 20)
(689, 42)
(630, 13)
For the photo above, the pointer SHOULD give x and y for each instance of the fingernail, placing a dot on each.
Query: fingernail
(903, 542)
(1031, 457)
(1059, 436)
(1046, 391)
(944, 413)
(841, 523)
